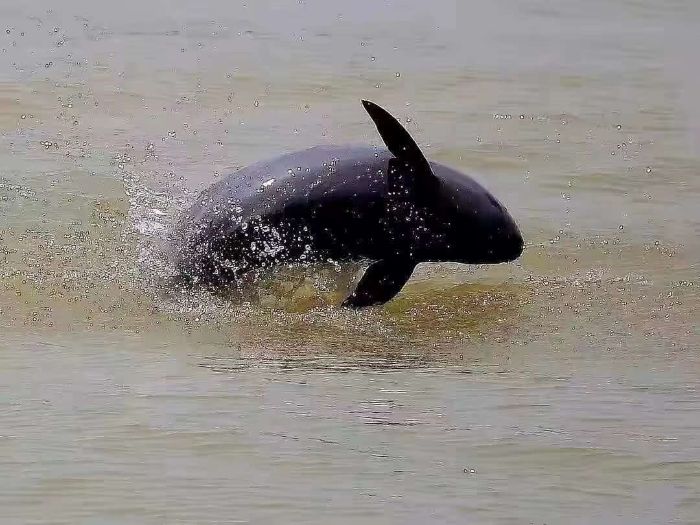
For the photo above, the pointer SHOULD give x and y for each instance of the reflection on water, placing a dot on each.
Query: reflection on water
(562, 388)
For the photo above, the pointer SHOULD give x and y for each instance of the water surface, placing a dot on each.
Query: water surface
(560, 389)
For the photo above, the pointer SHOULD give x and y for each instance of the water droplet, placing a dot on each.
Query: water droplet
(377, 86)
(171, 134)
(619, 126)
(622, 227)
(648, 169)
(256, 103)
(23, 117)
(398, 74)
(372, 58)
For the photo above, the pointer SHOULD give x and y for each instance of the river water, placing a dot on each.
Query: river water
(560, 389)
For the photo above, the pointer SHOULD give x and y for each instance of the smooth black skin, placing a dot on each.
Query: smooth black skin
(346, 203)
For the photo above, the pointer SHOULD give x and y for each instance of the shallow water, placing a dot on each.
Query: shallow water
(560, 389)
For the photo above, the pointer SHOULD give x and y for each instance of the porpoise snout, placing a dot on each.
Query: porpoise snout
(513, 245)
(507, 243)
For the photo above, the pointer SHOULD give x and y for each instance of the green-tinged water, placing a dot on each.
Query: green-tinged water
(560, 389)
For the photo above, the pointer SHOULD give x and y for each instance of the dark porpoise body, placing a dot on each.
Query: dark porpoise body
(346, 203)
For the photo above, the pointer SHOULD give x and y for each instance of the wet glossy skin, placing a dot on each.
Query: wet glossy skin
(334, 202)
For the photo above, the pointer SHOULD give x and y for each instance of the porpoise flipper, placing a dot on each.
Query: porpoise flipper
(380, 283)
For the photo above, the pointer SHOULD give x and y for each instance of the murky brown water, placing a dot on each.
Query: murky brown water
(562, 389)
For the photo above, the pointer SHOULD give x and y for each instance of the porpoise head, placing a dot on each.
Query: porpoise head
(476, 227)
(453, 217)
